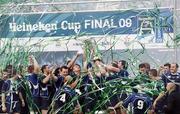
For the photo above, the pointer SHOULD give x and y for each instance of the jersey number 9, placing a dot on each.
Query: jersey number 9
(140, 104)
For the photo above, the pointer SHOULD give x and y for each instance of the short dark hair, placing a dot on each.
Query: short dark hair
(11, 70)
(167, 64)
(177, 66)
(43, 67)
(142, 65)
(153, 72)
(63, 67)
(124, 63)
(30, 69)
(56, 72)
(97, 60)
(147, 66)
(77, 65)
(114, 64)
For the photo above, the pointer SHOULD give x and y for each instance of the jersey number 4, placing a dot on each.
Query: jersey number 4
(63, 97)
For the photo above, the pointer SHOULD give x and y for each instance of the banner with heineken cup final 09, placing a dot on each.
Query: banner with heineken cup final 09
(124, 25)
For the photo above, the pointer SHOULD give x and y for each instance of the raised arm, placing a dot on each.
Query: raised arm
(111, 68)
(85, 69)
(53, 77)
(34, 62)
(70, 64)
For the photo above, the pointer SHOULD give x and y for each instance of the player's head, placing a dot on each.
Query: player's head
(97, 60)
(77, 69)
(142, 68)
(9, 69)
(30, 68)
(115, 64)
(57, 71)
(122, 64)
(174, 67)
(153, 73)
(167, 67)
(148, 67)
(45, 69)
(64, 71)
(5, 74)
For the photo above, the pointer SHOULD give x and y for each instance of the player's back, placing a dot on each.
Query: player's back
(65, 103)
(139, 103)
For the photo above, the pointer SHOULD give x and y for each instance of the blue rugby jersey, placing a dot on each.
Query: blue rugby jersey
(139, 103)
(64, 103)
(34, 82)
(169, 77)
